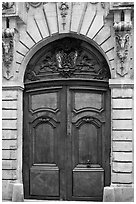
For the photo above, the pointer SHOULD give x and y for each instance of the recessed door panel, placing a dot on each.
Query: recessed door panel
(43, 134)
(44, 181)
(88, 183)
(88, 144)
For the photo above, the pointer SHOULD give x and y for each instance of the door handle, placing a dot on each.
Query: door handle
(88, 164)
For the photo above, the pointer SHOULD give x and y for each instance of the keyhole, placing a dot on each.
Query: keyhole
(7, 22)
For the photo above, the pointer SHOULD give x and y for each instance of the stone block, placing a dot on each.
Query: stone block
(107, 45)
(108, 194)
(88, 17)
(121, 178)
(9, 164)
(9, 174)
(9, 114)
(9, 94)
(9, 144)
(122, 124)
(9, 154)
(50, 11)
(42, 24)
(118, 194)
(19, 57)
(124, 194)
(103, 34)
(26, 40)
(122, 156)
(9, 134)
(122, 114)
(122, 167)
(9, 124)
(122, 135)
(122, 93)
(33, 29)
(9, 105)
(122, 103)
(7, 189)
(96, 26)
(122, 146)
(18, 193)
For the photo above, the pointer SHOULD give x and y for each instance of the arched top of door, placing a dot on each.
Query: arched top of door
(67, 57)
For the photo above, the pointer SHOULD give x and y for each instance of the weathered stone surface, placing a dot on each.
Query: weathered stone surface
(32, 29)
(9, 134)
(122, 103)
(7, 189)
(122, 124)
(9, 174)
(103, 34)
(122, 135)
(42, 24)
(78, 11)
(118, 194)
(18, 193)
(9, 154)
(122, 156)
(124, 194)
(121, 178)
(122, 146)
(96, 26)
(89, 15)
(123, 93)
(9, 104)
(9, 114)
(122, 114)
(122, 167)
(50, 10)
(108, 194)
(9, 164)
(26, 40)
(9, 124)
(9, 144)
(9, 94)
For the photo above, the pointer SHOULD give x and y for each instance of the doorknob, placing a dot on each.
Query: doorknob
(88, 164)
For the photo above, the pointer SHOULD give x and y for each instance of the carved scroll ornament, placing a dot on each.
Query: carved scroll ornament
(68, 60)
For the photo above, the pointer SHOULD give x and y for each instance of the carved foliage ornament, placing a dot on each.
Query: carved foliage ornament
(7, 50)
(68, 61)
(122, 44)
(63, 8)
(7, 5)
(34, 4)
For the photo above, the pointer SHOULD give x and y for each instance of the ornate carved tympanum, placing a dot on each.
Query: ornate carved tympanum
(67, 58)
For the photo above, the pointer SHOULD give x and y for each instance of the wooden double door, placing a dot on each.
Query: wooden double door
(66, 148)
